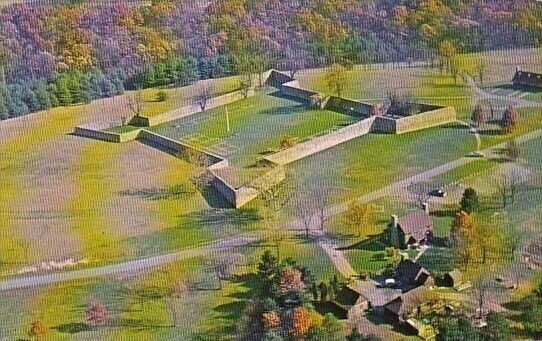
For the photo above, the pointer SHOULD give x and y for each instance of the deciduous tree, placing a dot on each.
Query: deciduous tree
(358, 216)
(336, 79)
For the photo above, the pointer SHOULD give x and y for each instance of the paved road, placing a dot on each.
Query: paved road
(482, 94)
(127, 267)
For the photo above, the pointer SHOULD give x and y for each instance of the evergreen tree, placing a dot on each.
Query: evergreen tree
(469, 202)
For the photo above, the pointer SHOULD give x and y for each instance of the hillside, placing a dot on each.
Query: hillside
(69, 52)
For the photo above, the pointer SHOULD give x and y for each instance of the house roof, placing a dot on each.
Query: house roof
(415, 224)
(409, 301)
(527, 78)
(409, 270)
(349, 296)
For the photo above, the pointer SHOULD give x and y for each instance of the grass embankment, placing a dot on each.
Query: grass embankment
(14, 154)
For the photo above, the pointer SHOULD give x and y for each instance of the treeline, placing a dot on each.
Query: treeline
(77, 87)
(65, 89)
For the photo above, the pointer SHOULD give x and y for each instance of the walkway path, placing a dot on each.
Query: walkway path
(481, 93)
(130, 266)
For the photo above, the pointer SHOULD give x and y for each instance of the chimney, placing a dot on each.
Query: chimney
(517, 68)
(394, 221)
(425, 207)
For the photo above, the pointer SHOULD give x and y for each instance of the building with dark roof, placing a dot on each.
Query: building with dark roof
(412, 274)
(527, 79)
(351, 300)
(414, 227)
(410, 303)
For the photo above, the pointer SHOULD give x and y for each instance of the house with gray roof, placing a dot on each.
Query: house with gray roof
(415, 227)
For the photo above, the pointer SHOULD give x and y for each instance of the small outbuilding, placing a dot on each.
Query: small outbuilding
(425, 331)
(455, 280)
(410, 303)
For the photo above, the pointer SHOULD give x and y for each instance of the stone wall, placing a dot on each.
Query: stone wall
(429, 119)
(321, 143)
(177, 146)
(349, 107)
(97, 132)
(293, 89)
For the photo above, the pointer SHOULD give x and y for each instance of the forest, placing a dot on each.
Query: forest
(69, 52)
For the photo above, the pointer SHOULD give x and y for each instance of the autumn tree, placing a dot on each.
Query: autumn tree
(507, 186)
(290, 280)
(486, 241)
(479, 115)
(38, 330)
(336, 79)
(462, 236)
(96, 312)
(509, 120)
(513, 151)
(469, 201)
(358, 216)
(300, 323)
(447, 53)
(270, 320)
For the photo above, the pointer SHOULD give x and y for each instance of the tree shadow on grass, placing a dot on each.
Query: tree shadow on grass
(286, 110)
(233, 311)
(374, 242)
(329, 307)
(73, 328)
(154, 193)
(213, 218)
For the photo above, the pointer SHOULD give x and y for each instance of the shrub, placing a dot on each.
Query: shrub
(161, 96)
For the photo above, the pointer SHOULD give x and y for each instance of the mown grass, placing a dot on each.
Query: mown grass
(259, 124)
(13, 155)
(93, 186)
(181, 97)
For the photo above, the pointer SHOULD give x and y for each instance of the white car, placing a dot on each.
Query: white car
(476, 154)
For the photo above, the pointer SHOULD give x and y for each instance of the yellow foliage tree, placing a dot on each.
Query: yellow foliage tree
(358, 216)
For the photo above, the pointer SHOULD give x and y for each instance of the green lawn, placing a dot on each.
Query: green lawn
(258, 124)
(122, 129)
(15, 151)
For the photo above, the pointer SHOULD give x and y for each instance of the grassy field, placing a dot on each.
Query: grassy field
(257, 124)
(130, 201)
